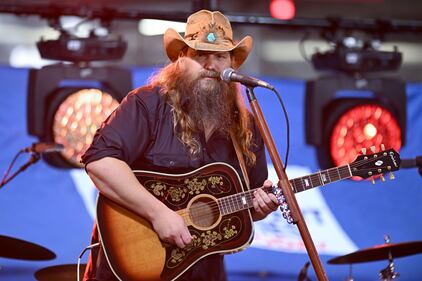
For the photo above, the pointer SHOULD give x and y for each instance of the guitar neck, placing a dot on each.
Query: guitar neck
(243, 200)
(321, 178)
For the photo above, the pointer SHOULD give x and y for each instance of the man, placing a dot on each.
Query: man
(185, 118)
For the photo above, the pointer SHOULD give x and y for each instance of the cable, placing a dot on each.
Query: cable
(10, 167)
(80, 256)
(287, 128)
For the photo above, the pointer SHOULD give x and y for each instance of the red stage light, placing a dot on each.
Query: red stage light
(282, 9)
(360, 127)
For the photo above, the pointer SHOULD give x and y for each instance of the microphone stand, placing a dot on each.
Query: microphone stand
(34, 158)
(285, 186)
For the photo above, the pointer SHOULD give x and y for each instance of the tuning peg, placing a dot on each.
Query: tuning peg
(372, 180)
(392, 177)
(363, 150)
(382, 177)
(382, 147)
(372, 149)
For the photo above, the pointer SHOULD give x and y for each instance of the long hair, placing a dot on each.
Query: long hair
(173, 82)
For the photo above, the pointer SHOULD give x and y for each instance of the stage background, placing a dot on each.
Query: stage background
(54, 208)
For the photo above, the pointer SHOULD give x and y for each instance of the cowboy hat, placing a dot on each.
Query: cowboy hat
(207, 31)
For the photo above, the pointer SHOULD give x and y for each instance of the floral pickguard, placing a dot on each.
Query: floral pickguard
(177, 194)
(205, 241)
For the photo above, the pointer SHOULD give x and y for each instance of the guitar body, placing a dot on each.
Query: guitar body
(133, 249)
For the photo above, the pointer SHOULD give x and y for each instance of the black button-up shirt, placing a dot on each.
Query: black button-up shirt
(140, 132)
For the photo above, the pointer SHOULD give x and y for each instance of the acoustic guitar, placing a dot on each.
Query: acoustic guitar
(216, 209)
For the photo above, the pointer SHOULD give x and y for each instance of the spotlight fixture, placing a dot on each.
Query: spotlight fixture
(345, 114)
(67, 103)
(70, 48)
(352, 55)
(355, 106)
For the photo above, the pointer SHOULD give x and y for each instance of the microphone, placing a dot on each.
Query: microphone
(44, 147)
(229, 75)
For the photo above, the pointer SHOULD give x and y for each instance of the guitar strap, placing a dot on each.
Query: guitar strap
(240, 158)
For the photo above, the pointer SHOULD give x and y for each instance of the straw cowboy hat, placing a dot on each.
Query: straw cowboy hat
(207, 31)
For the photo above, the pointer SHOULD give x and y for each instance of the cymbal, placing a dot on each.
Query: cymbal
(380, 252)
(14, 248)
(63, 272)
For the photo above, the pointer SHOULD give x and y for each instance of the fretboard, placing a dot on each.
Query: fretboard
(321, 178)
(243, 200)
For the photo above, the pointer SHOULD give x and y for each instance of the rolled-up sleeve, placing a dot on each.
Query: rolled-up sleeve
(124, 135)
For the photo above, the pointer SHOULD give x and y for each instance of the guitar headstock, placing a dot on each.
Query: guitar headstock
(369, 165)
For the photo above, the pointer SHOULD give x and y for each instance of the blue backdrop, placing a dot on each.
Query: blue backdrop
(51, 207)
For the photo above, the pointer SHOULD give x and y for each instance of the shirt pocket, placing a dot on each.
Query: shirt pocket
(170, 161)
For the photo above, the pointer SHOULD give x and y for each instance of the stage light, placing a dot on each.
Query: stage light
(363, 126)
(67, 103)
(77, 119)
(345, 114)
(282, 9)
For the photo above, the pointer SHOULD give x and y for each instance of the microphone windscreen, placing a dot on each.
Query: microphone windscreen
(225, 75)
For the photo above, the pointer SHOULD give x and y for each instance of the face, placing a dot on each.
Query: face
(212, 63)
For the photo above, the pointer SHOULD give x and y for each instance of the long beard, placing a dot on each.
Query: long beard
(211, 102)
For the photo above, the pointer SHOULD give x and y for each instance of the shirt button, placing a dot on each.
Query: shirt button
(171, 163)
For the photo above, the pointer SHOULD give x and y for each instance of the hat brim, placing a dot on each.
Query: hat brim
(174, 44)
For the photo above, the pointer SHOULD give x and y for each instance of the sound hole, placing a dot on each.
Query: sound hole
(204, 212)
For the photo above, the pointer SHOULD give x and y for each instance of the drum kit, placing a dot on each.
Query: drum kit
(13, 248)
(19, 249)
(387, 251)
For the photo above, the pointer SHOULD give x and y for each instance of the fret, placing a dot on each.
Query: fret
(292, 182)
(320, 178)
(220, 207)
(316, 180)
(325, 178)
(229, 208)
(334, 176)
(307, 182)
(238, 204)
(327, 172)
(339, 177)
(223, 202)
(244, 200)
(299, 185)
(231, 204)
(349, 170)
(346, 171)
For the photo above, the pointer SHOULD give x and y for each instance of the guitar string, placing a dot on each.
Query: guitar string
(233, 204)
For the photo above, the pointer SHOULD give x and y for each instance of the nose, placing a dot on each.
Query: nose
(210, 62)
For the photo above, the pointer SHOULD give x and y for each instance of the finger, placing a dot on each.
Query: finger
(255, 203)
(268, 183)
(260, 198)
(186, 237)
(179, 242)
(266, 197)
(274, 200)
